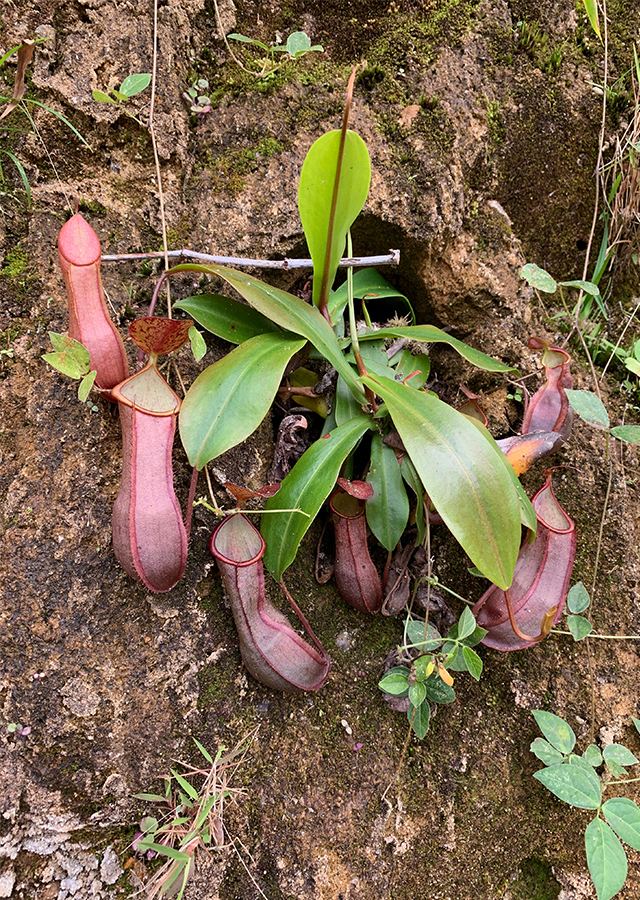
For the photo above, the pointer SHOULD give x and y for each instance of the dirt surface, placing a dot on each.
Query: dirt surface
(483, 147)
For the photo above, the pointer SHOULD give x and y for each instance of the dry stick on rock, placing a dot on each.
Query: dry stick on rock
(392, 258)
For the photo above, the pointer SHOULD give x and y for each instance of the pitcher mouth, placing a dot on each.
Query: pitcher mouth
(158, 398)
(237, 542)
(346, 506)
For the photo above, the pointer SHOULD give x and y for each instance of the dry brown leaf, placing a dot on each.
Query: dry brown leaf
(25, 52)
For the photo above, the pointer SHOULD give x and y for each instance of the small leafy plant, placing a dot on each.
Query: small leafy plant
(199, 102)
(389, 445)
(189, 819)
(426, 678)
(19, 102)
(296, 46)
(573, 778)
(72, 358)
(130, 87)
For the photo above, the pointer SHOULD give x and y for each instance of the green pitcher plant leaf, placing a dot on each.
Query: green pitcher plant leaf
(388, 510)
(368, 284)
(228, 401)
(331, 163)
(306, 487)
(289, 312)
(606, 859)
(228, 319)
(429, 334)
(463, 475)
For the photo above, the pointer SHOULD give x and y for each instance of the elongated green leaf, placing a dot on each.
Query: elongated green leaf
(624, 817)
(346, 406)
(21, 172)
(62, 343)
(578, 598)
(247, 40)
(287, 311)
(463, 475)
(408, 363)
(628, 433)
(134, 84)
(323, 226)
(163, 850)
(417, 693)
(101, 97)
(388, 509)
(186, 786)
(229, 319)
(473, 661)
(429, 334)
(203, 750)
(198, 346)
(619, 754)
(579, 627)
(590, 408)
(84, 388)
(576, 785)
(546, 753)
(556, 730)
(370, 285)
(306, 486)
(227, 402)
(587, 286)
(466, 624)
(606, 859)
(411, 477)
(421, 718)
(58, 116)
(65, 363)
(591, 6)
(538, 278)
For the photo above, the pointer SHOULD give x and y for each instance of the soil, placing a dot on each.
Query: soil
(482, 124)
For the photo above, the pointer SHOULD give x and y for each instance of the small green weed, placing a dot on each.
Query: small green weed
(130, 87)
(191, 818)
(573, 779)
(297, 45)
(426, 678)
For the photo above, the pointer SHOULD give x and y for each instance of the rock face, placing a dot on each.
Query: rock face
(482, 128)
